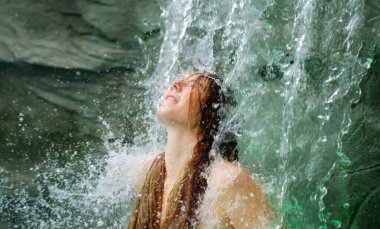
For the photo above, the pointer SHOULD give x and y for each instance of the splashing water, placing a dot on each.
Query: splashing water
(294, 82)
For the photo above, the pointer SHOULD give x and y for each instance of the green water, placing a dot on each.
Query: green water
(306, 81)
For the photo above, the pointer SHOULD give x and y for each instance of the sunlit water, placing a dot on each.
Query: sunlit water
(294, 66)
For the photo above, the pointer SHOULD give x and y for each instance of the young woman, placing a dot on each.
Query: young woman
(181, 188)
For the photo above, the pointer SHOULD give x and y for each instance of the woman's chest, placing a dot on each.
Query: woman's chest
(210, 211)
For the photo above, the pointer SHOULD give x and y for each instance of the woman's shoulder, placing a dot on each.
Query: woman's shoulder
(238, 195)
(231, 176)
(230, 181)
(228, 174)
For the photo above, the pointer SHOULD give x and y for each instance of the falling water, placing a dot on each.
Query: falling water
(295, 69)
(294, 80)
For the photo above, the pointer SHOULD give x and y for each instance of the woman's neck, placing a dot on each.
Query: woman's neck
(178, 151)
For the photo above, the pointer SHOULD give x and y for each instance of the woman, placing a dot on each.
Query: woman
(180, 188)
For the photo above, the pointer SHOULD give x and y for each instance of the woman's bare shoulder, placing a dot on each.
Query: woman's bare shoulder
(239, 194)
(236, 181)
(224, 172)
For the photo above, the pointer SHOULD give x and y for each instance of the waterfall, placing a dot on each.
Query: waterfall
(295, 68)
(295, 81)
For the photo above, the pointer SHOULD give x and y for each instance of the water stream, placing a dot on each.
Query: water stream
(295, 68)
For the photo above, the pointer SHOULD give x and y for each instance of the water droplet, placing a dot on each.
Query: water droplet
(346, 205)
(343, 159)
(324, 217)
(369, 62)
(324, 115)
(323, 138)
(322, 188)
(21, 117)
(100, 223)
(215, 105)
(336, 223)
(342, 174)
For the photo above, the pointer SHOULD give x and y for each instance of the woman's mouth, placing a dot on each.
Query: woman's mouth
(170, 97)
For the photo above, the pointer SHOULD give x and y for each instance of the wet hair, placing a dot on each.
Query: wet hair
(211, 114)
(213, 109)
(188, 192)
(228, 146)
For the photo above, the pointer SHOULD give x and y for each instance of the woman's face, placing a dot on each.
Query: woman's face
(180, 104)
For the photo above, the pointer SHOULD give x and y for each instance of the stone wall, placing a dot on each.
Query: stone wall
(79, 34)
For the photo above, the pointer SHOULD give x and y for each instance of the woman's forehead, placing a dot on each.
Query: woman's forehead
(191, 78)
(196, 78)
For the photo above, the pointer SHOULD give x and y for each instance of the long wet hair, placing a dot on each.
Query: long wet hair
(188, 192)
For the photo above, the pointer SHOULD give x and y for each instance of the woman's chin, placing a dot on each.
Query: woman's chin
(169, 120)
(163, 116)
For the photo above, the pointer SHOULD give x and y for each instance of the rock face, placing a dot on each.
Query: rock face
(353, 190)
(364, 143)
(63, 65)
(78, 34)
(51, 123)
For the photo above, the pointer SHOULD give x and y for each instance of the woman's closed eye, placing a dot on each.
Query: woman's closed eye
(187, 83)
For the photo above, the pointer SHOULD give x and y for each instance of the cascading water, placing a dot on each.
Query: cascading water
(295, 69)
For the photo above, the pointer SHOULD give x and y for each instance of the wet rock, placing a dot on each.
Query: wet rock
(271, 72)
(80, 34)
(359, 189)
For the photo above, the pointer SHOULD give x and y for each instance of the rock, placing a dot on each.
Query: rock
(359, 188)
(89, 35)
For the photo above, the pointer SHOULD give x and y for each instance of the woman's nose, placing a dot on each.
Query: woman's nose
(175, 85)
